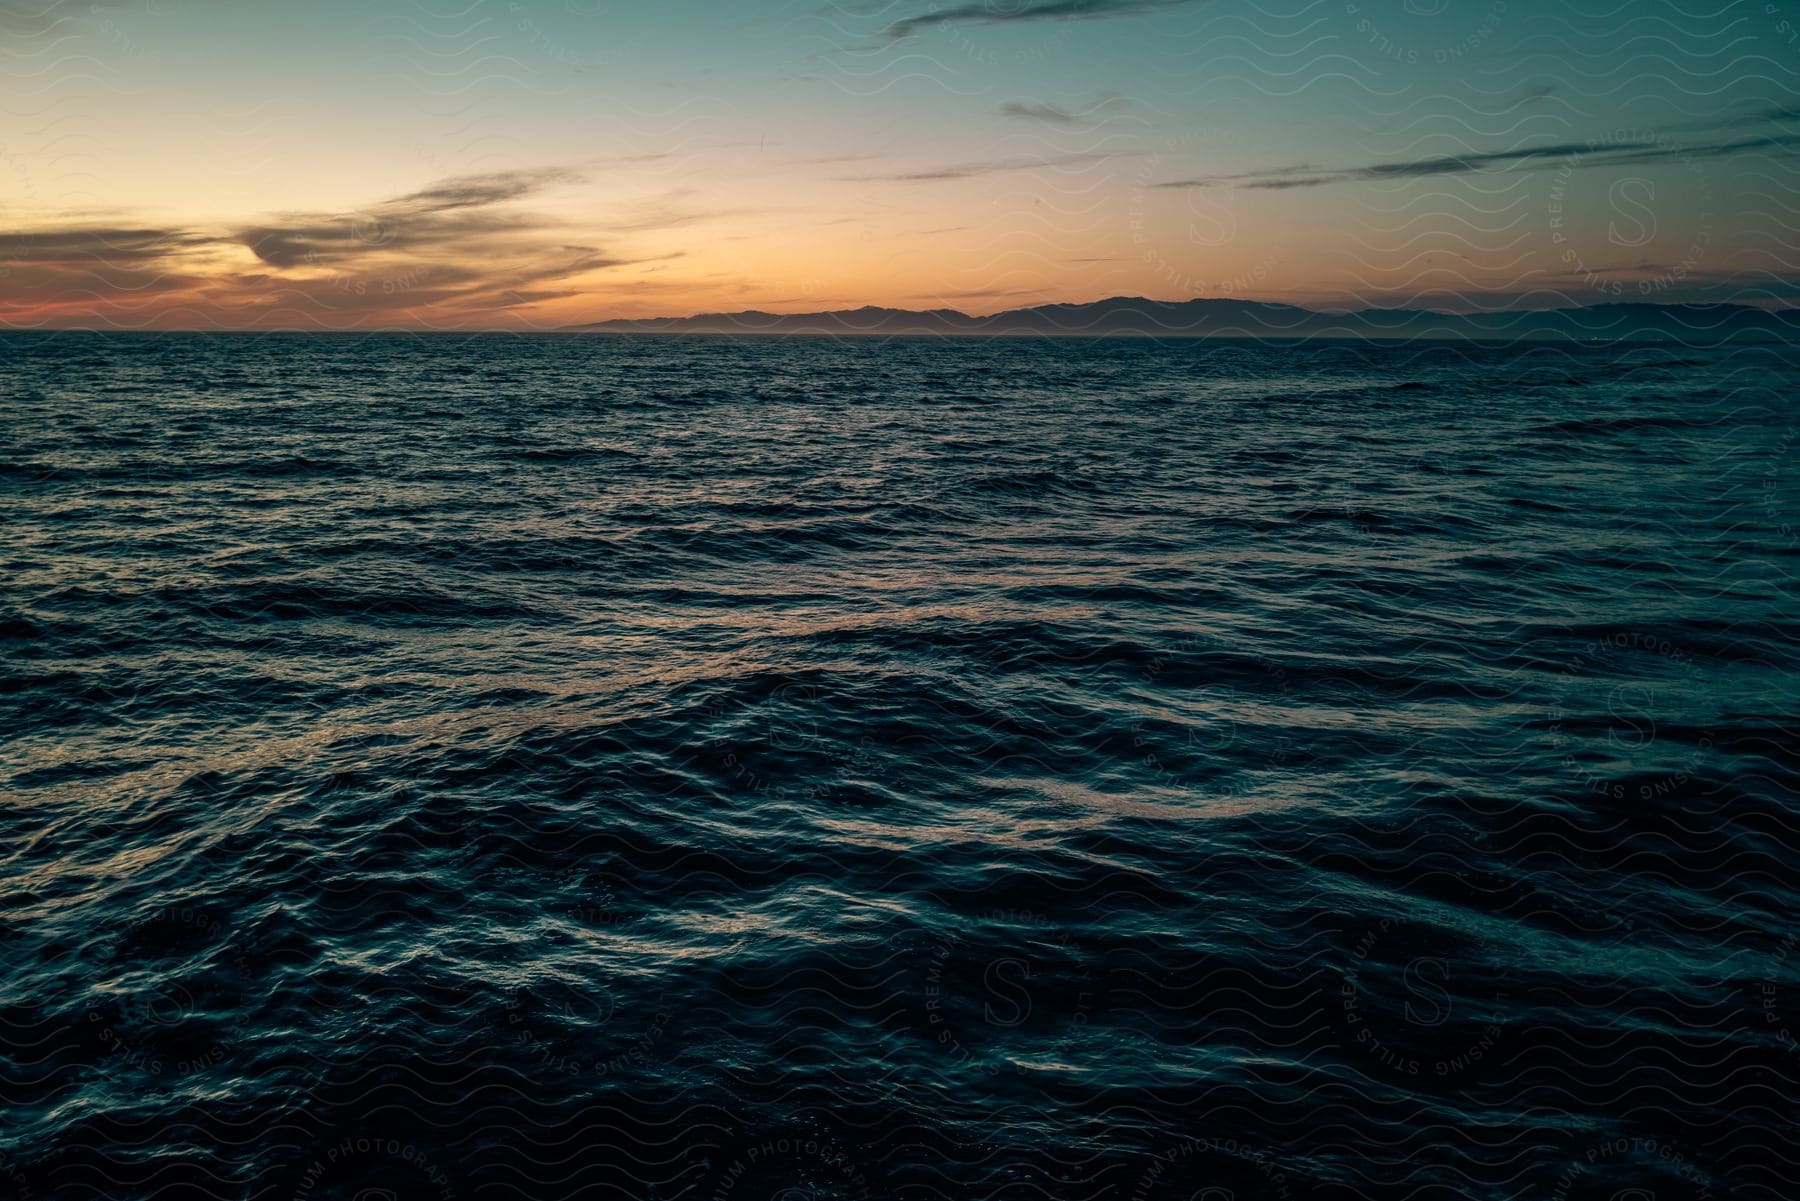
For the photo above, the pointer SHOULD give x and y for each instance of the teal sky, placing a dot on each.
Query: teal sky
(197, 162)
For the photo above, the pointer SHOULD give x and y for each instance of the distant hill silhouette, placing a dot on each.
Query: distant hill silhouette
(1134, 316)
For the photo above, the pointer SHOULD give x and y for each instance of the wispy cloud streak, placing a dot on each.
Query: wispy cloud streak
(1011, 12)
(974, 170)
(1625, 151)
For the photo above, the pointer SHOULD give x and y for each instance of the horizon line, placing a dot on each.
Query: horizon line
(1774, 308)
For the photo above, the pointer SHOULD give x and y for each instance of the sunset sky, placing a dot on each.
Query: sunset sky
(537, 163)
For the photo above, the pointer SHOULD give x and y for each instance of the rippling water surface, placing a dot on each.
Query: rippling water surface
(577, 766)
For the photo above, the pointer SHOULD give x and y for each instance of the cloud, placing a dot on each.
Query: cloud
(1779, 142)
(1106, 106)
(452, 212)
(299, 240)
(37, 285)
(88, 244)
(1617, 152)
(444, 253)
(1011, 12)
(1769, 114)
(124, 268)
(1298, 181)
(480, 191)
(665, 212)
(955, 171)
(1047, 113)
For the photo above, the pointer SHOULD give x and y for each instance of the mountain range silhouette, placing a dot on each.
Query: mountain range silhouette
(1136, 316)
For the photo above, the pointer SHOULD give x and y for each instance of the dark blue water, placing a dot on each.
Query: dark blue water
(578, 766)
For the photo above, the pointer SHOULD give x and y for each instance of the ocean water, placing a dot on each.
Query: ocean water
(802, 769)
